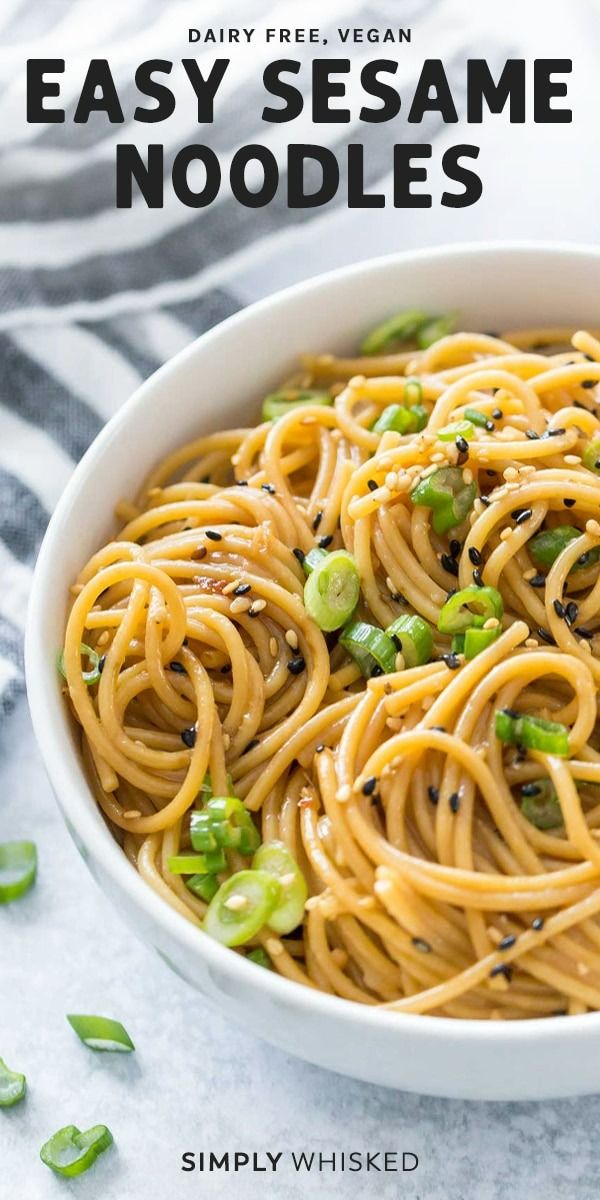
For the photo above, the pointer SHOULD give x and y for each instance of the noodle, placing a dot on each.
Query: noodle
(432, 888)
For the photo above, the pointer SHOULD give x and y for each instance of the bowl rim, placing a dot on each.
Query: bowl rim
(81, 815)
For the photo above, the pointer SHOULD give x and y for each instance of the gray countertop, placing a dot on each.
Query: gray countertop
(196, 1082)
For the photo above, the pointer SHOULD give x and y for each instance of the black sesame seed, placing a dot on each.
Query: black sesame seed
(489, 471)
(523, 516)
(538, 581)
(188, 737)
(397, 642)
(377, 671)
(589, 383)
(398, 597)
(455, 548)
(369, 786)
(101, 662)
(569, 503)
(251, 745)
(177, 667)
(581, 632)
(545, 636)
(451, 660)
(477, 580)
(462, 445)
(555, 432)
(326, 541)
(530, 789)
(571, 612)
(449, 564)
(242, 483)
(462, 457)
(454, 802)
(372, 485)
(497, 414)
(559, 609)
(213, 535)
(589, 358)
(475, 556)
(242, 589)
(451, 593)
(439, 728)
(320, 748)
(532, 435)
(537, 923)
(502, 969)
(268, 487)
(421, 944)
(299, 554)
(485, 500)
(513, 713)
(226, 669)
(489, 425)
(433, 793)
(317, 521)
(559, 1012)
(507, 942)
(296, 665)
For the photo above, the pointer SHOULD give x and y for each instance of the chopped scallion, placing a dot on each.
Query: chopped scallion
(12, 1086)
(434, 329)
(394, 332)
(101, 1033)
(373, 651)
(276, 860)
(470, 606)
(223, 824)
(591, 456)
(242, 905)
(546, 546)
(477, 640)
(332, 590)
(413, 638)
(447, 495)
(401, 420)
(313, 558)
(534, 733)
(94, 672)
(463, 429)
(540, 805)
(260, 957)
(70, 1152)
(204, 886)
(279, 404)
(210, 863)
(18, 867)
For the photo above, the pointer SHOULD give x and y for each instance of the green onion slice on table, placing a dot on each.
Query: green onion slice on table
(400, 328)
(546, 546)
(540, 804)
(18, 867)
(332, 590)
(401, 420)
(101, 1033)
(372, 650)
(276, 860)
(470, 606)
(413, 638)
(534, 733)
(90, 676)
(279, 404)
(447, 495)
(223, 824)
(70, 1152)
(242, 905)
(12, 1086)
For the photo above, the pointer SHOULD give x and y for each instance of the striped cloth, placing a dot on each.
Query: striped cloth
(93, 299)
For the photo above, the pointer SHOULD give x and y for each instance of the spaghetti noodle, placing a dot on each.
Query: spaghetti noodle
(440, 807)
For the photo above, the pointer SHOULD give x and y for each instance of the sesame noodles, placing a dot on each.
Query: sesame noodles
(446, 815)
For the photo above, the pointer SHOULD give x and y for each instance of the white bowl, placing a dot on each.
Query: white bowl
(213, 384)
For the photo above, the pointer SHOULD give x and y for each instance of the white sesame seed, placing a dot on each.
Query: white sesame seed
(291, 638)
(239, 605)
(391, 480)
(505, 534)
(236, 903)
(530, 574)
(572, 460)
(132, 813)
(593, 528)
(510, 473)
(532, 643)
(230, 587)
(467, 476)
(344, 793)
(273, 647)
(257, 606)
(286, 880)
(399, 662)
(491, 623)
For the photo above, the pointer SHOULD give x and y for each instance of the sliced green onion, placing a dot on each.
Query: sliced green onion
(242, 905)
(279, 404)
(413, 638)
(477, 640)
(210, 863)
(204, 886)
(434, 329)
(476, 417)
(447, 495)
(372, 650)
(591, 456)
(18, 867)
(332, 590)
(463, 429)
(101, 1033)
(395, 331)
(12, 1086)
(413, 392)
(70, 1152)
(313, 558)
(470, 606)
(260, 957)
(535, 733)
(224, 823)
(540, 805)
(457, 644)
(89, 677)
(546, 546)
(401, 419)
(276, 860)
